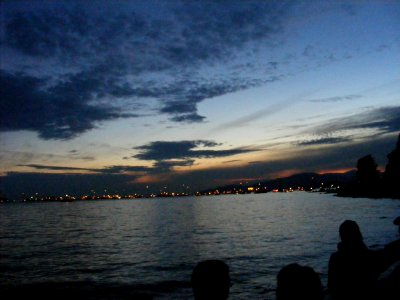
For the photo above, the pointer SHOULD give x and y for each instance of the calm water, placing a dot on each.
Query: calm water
(149, 246)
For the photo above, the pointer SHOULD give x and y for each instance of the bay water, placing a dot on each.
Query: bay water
(119, 249)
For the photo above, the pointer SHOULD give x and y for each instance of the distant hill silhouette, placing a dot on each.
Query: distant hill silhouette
(312, 180)
(303, 181)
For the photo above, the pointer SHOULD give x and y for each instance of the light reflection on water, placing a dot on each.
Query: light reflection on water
(151, 241)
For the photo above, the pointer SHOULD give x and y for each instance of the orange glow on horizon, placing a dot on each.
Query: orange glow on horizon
(285, 173)
(338, 171)
(151, 178)
(345, 170)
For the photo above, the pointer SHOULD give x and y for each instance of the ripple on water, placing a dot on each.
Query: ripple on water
(148, 248)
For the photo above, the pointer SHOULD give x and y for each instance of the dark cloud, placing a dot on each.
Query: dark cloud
(106, 170)
(123, 169)
(188, 118)
(337, 99)
(324, 141)
(384, 119)
(53, 168)
(213, 28)
(69, 34)
(126, 54)
(163, 150)
(166, 166)
(159, 167)
(231, 161)
(60, 112)
(188, 32)
(184, 95)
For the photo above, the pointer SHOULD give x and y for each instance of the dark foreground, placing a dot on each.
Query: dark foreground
(92, 291)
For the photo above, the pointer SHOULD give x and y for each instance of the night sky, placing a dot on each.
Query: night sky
(134, 96)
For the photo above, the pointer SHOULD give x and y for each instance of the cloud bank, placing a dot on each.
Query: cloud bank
(324, 141)
(164, 150)
(72, 68)
(382, 119)
(166, 155)
(60, 112)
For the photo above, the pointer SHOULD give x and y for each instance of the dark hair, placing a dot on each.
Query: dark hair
(350, 232)
(298, 282)
(210, 280)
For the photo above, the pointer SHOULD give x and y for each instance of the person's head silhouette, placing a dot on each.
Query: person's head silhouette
(210, 280)
(350, 233)
(298, 282)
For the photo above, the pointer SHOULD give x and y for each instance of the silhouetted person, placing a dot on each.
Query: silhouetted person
(397, 222)
(295, 282)
(367, 171)
(368, 176)
(368, 183)
(392, 171)
(210, 280)
(354, 269)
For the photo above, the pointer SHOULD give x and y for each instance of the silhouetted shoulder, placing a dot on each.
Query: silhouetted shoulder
(354, 269)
